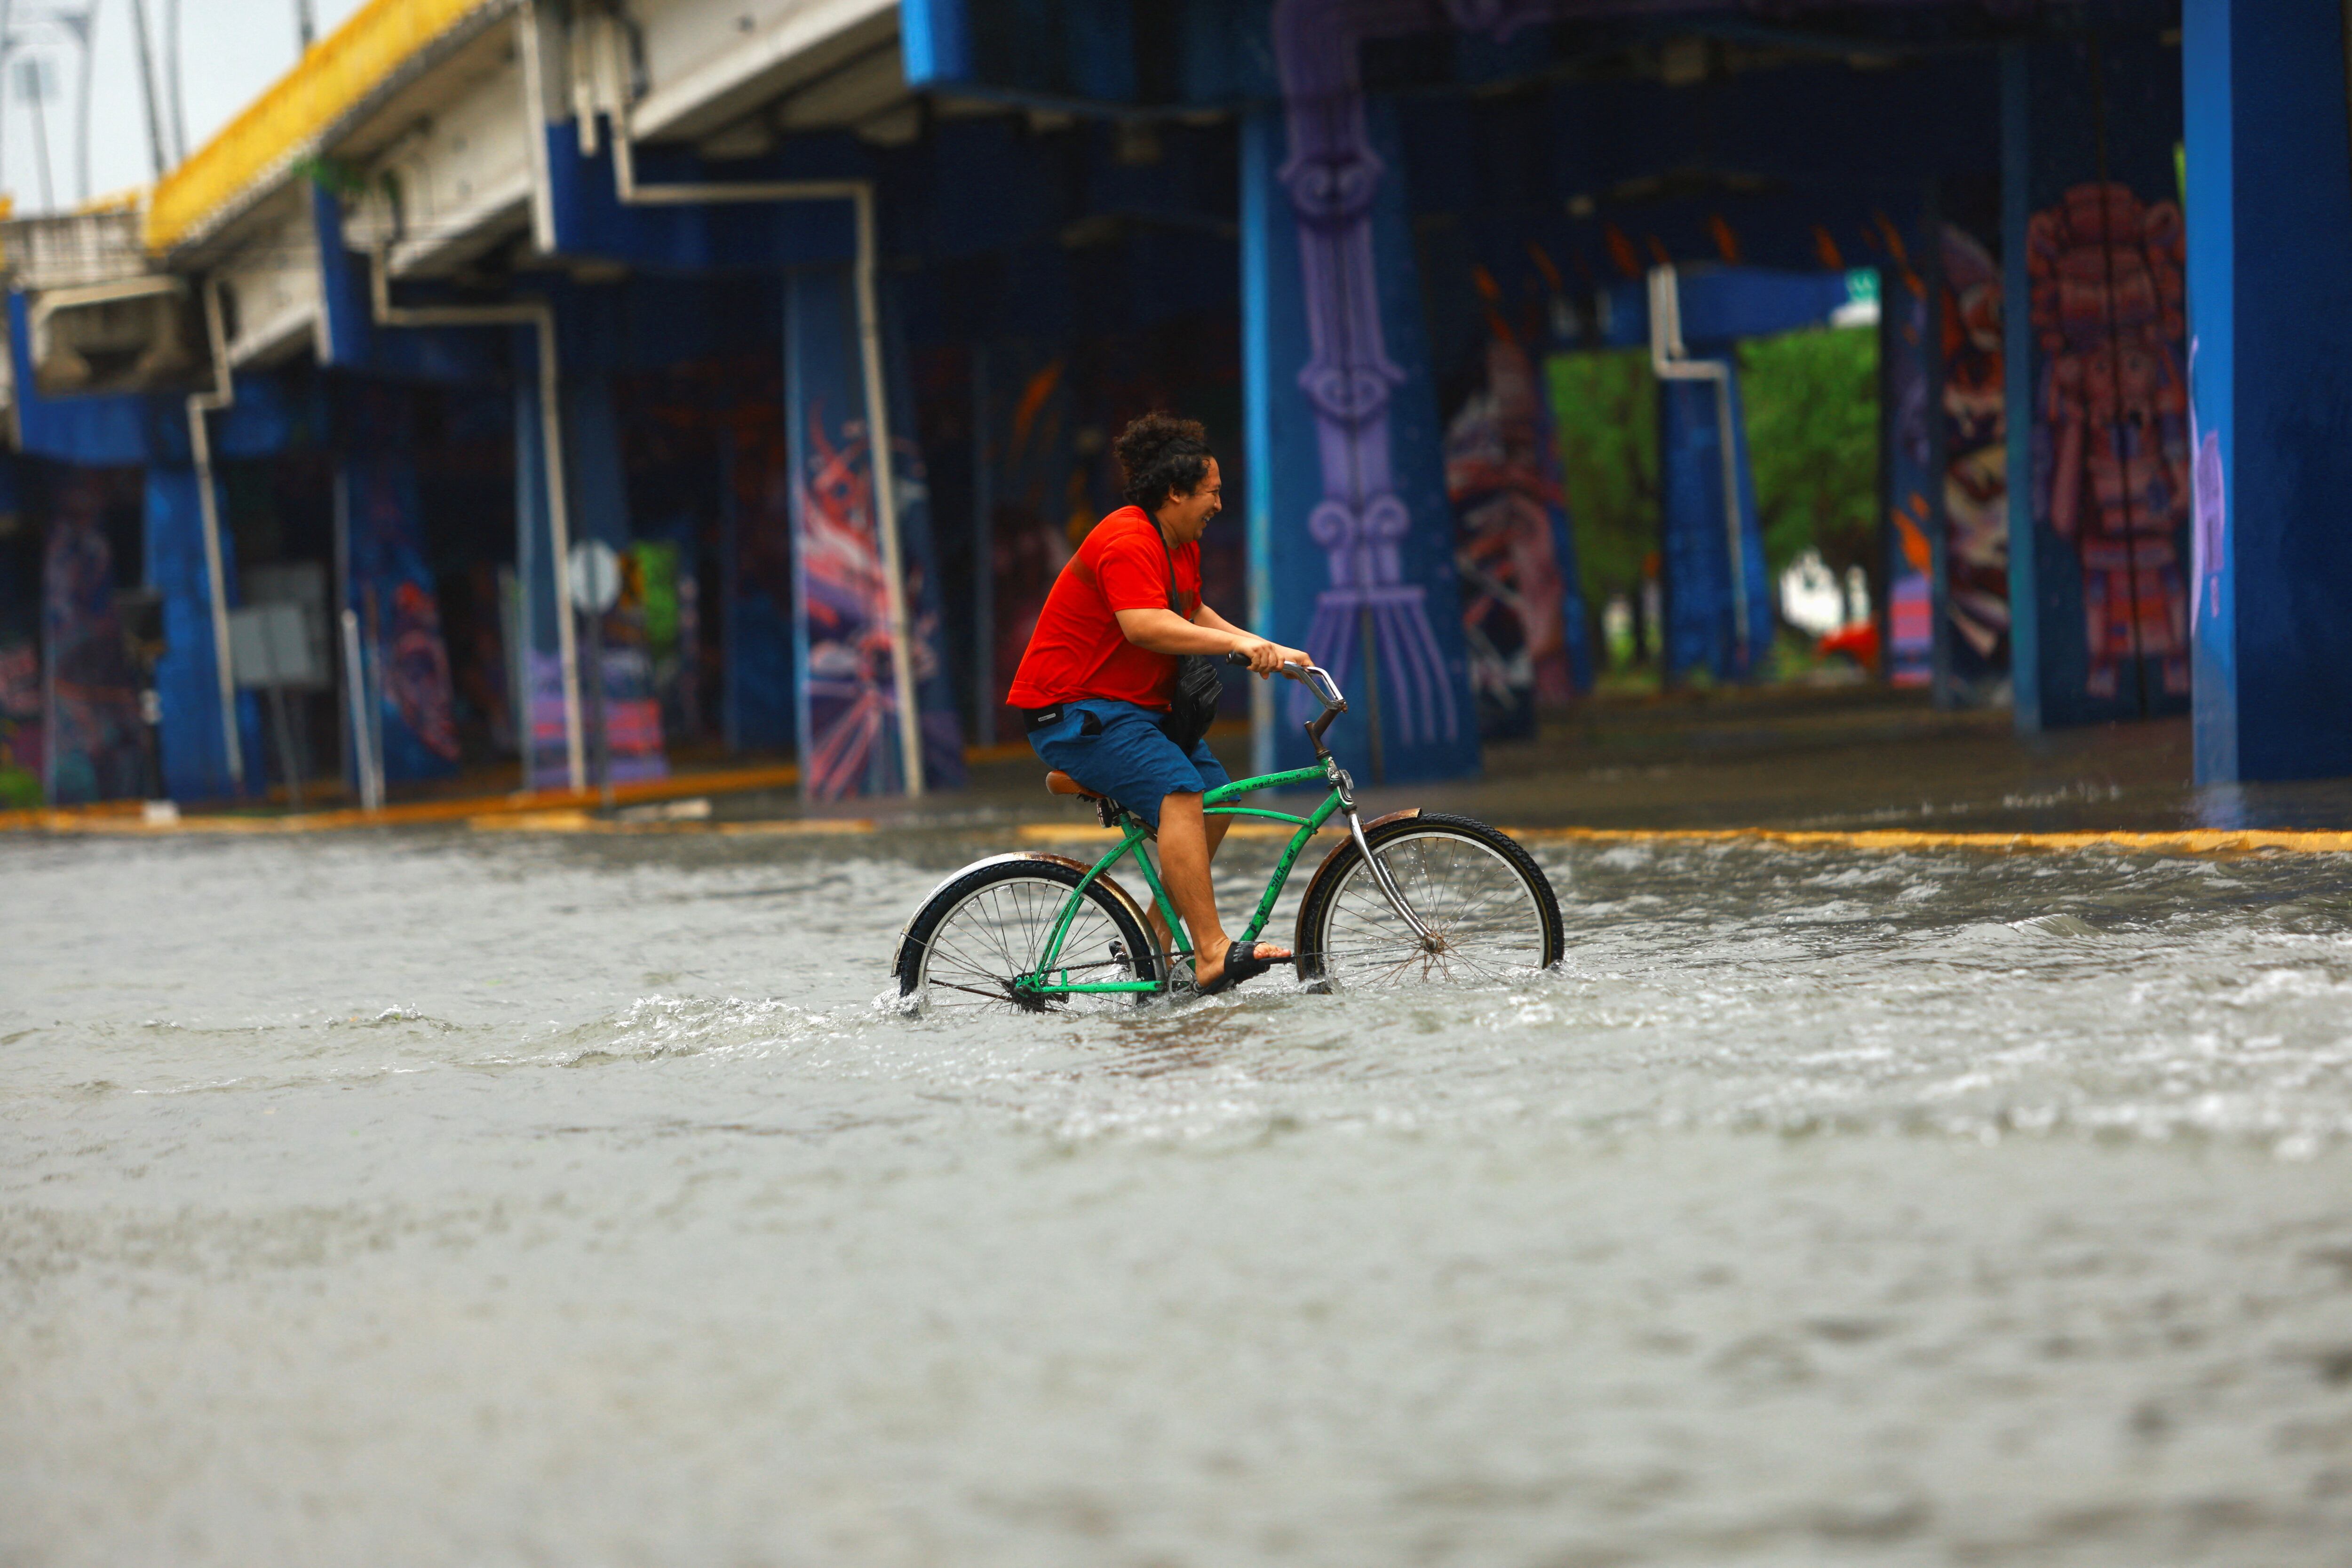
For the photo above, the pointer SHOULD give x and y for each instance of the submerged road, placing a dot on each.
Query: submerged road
(445, 1197)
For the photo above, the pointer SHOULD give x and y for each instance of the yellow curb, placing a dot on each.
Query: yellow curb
(582, 822)
(537, 822)
(2197, 841)
(123, 817)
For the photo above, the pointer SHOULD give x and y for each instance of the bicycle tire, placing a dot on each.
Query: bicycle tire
(1349, 937)
(988, 921)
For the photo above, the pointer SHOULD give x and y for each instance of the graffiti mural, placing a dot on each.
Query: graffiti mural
(2111, 408)
(851, 706)
(392, 591)
(20, 724)
(1976, 460)
(95, 745)
(849, 724)
(1512, 546)
(20, 654)
(1907, 382)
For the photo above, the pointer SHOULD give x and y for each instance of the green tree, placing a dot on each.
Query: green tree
(1812, 444)
(1605, 416)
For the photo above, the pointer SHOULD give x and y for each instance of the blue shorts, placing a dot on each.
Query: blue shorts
(1120, 749)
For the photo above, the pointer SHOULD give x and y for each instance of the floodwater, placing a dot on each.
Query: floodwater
(437, 1199)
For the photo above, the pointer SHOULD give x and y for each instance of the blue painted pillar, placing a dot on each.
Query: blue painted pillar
(2270, 205)
(596, 494)
(592, 438)
(847, 707)
(1713, 623)
(187, 678)
(1351, 536)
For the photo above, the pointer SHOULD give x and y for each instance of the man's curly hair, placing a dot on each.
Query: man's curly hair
(1159, 456)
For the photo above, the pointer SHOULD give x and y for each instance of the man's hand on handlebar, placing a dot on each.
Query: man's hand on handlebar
(1265, 658)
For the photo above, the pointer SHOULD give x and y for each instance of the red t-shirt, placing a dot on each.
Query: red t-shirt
(1078, 650)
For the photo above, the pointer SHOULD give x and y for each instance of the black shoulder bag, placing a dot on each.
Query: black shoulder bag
(1193, 707)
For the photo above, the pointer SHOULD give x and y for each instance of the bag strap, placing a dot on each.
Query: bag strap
(1175, 600)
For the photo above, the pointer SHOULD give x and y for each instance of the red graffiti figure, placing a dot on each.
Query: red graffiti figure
(2107, 309)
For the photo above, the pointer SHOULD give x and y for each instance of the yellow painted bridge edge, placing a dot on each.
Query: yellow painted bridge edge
(286, 120)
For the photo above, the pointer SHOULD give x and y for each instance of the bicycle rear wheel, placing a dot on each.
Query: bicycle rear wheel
(985, 930)
(1482, 895)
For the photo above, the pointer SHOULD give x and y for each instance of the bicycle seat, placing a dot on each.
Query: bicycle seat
(1059, 783)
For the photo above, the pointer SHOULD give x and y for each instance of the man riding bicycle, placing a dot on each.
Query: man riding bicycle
(1095, 683)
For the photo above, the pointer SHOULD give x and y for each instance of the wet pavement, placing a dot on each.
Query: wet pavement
(427, 1196)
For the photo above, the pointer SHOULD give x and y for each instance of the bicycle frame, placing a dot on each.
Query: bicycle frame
(1040, 982)
(1213, 803)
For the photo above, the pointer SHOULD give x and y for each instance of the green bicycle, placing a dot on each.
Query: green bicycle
(1410, 898)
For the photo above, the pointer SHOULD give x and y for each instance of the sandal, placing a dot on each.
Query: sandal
(1243, 961)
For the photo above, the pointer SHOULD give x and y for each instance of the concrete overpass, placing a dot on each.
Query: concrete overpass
(476, 282)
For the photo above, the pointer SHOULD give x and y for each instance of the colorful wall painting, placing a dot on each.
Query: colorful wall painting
(849, 726)
(20, 724)
(1976, 466)
(1522, 608)
(20, 650)
(1908, 409)
(392, 592)
(2099, 459)
(95, 747)
(2111, 406)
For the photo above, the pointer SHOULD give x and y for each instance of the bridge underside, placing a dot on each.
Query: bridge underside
(525, 296)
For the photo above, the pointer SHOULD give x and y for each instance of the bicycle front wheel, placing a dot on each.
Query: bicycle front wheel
(984, 933)
(1481, 895)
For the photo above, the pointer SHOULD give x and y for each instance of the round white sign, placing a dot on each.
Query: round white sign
(595, 576)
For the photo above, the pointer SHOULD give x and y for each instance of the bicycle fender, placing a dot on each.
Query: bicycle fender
(1348, 847)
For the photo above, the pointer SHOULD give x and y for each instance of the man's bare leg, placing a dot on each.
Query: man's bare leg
(1188, 838)
(1214, 830)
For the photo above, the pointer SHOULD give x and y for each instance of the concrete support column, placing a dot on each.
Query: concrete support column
(412, 702)
(597, 510)
(844, 650)
(2270, 199)
(1719, 600)
(195, 755)
(1352, 535)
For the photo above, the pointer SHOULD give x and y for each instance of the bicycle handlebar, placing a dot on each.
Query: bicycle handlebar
(1313, 677)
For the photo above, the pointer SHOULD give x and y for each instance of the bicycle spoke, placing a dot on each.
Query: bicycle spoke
(1479, 906)
(987, 944)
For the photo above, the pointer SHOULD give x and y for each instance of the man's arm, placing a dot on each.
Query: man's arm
(1208, 617)
(1165, 631)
